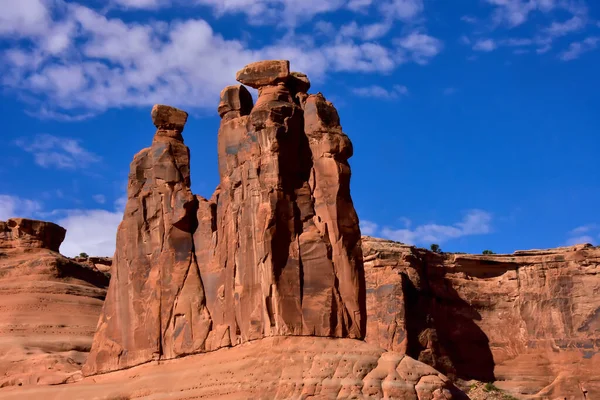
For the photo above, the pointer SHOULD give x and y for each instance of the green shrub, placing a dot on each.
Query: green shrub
(84, 255)
(488, 252)
(435, 248)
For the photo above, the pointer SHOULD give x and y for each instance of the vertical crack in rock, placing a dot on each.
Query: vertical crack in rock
(275, 251)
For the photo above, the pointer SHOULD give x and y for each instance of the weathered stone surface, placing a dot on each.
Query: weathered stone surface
(235, 102)
(299, 82)
(168, 118)
(155, 302)
(264, 73)
(28, 233)
(49, 305)
(277, 368)
(275, 252)
(529, 321)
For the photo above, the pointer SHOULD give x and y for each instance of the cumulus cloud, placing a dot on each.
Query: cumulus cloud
(380, 92)
(16, 207)
(475, 222)
(53, 151)
(90, 231)
(79, 62)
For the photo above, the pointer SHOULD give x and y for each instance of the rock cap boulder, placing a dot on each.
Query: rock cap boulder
(264, 73)
(168, 118)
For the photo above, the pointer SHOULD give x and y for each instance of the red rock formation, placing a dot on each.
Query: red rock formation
(529, 321)
(49, 305)
(277, 368)
(30, 234)
(276, 251)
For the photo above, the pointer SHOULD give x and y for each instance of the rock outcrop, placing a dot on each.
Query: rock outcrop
(275, 251)
(20, 233)
(278, 368)
(49, 305)
(529, 321)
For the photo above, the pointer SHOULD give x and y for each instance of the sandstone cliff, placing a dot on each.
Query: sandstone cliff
(529, 321)
(49, 305)
(275, 251)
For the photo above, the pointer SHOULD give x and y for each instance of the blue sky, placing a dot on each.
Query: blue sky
(475, 122)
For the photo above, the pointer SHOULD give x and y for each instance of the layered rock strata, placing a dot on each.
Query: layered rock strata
(275, 251)
(49, 305)
(529, 321)
(277, 368)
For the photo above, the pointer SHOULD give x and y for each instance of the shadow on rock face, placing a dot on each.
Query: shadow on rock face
(442, 330)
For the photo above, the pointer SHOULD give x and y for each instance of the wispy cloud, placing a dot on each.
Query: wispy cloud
(53, 151)
(475, 222)
(485, 45)
(469, 19)
(576, 49)
(16, 207)
(583, 234)
(380, 92)
(368, 228)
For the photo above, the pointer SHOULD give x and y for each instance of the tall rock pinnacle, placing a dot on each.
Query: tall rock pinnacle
(275, 251)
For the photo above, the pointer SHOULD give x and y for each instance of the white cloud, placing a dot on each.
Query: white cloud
(367, 32)
(29, 17)
(380, 92)
(517, 42)
(576, 49)
(109, 62)
(359, 5)
(516, 12)
(90, 231)
(405, 10)
(475, 222)
(141, 4)
(16, 207)
(583, 234)
(468, 19)
(52, 151)
(485, 45)
(420, 47)
(583, 229)
(557, 29)
(368, 228)
(580, 240)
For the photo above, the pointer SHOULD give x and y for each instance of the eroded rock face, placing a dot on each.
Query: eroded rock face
(275, 251)
(49, 305)
(277, 368)
(530, 320)
(28, 233)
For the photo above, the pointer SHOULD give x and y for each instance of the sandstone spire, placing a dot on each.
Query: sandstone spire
(275, 251)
